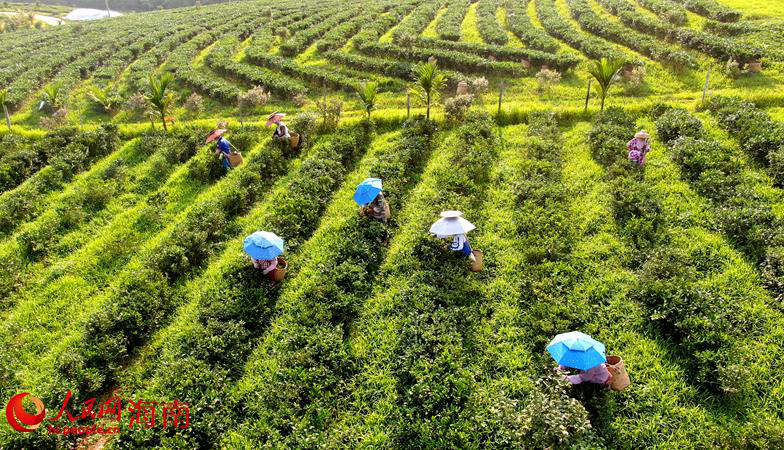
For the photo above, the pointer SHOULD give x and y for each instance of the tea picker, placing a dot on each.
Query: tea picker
(639, 147)
(264, 249)
(282, 131)
(452, 224)
(579, 351)
(371, 201)
(229, 155)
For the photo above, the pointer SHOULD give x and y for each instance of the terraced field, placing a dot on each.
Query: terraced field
(121, 262)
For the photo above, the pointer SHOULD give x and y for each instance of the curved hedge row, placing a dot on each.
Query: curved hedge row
(389, 67)
(180, 62)
(700, 293)
(412, 25)
(450, 24)
(712, 10)
(315, 75)
(21, 158)
(730, 28)
(138, 73)
(522, 27)
(755, 131)
(131, 172)
(318, 308)
(561, 62)
(409, 387)
(708, 43)
(745, 214)
(68, 151)
(25, 74)
(590, 46)
(667, 10)
(221, 59)
(450, 59)
(488, 26)
(338, 35)
(232, 303)
(592, 22)
(318, 26)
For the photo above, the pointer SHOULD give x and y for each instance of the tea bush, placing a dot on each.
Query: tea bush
(754, 130)
(488, 26)
(520, 24)
(68, 151)
(448, 26)
(234, 302)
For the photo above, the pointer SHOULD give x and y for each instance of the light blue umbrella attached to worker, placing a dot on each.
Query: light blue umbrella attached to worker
(367, 191)
(577, 350)
(263, 245)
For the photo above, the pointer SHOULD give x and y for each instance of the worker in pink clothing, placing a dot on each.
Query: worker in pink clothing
(639, 147)
(598, 375)
(266, 265)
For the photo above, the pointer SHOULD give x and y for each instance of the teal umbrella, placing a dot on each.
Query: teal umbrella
(367, 191)
(263, 245)
(577, 350)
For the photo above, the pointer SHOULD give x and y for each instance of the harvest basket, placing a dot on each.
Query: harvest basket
(620, 378)
(280, 271)
(235, 159)
(294, 140)
(476, 266)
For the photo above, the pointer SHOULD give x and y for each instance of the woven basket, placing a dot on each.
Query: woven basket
(620, 378)
(280, 271)
(235, 159)
(476, 266)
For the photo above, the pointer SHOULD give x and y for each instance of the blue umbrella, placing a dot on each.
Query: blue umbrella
(367, 191)
(577, 350)
(263, 245)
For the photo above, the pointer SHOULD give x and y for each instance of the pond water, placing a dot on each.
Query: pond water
(90, 14)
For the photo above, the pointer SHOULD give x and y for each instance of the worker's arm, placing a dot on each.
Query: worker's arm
(271, 266)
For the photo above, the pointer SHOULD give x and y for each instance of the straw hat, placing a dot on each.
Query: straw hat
(642, 134)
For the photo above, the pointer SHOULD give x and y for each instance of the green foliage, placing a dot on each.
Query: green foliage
(706, 42)
(591, 46)
(520, 24)
(746, 215)
(316, 26)
(409, 29)
(680, 282)
(488, 26)
(667, 10)
(449, 25)
(605, 72)
(52, 94)
(160, 99)
(67, 152)
(106, 98)
(428, 83)
(755, 131)
(712, 10)
(505, 55)
(653, 48)
(367, 95)
(221, 59)
(233, 303)
(4, 105)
